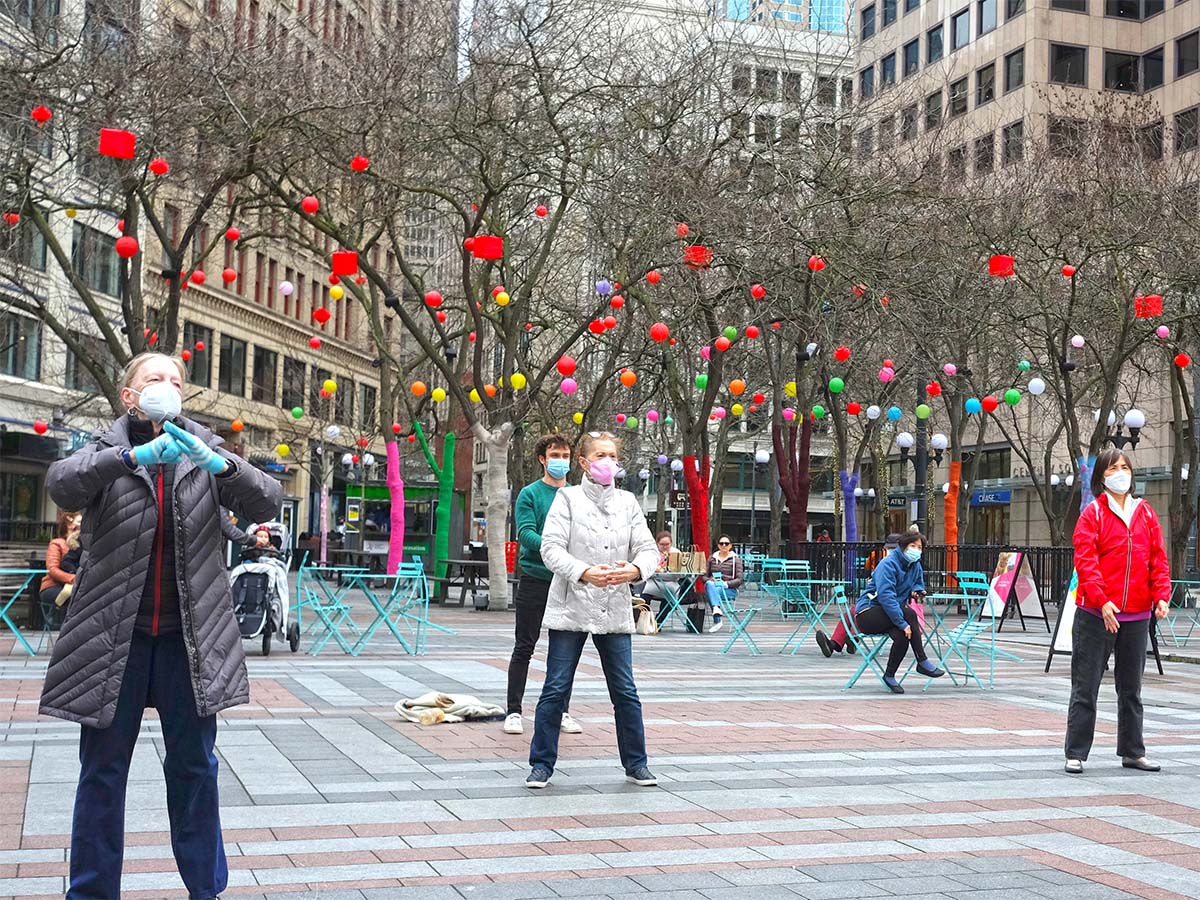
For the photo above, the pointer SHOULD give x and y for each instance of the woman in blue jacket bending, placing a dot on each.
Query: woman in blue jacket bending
(883, 607)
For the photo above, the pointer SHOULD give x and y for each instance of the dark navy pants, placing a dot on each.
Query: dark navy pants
(156, 675)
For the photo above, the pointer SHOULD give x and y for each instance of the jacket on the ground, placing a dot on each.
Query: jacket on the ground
(120, 517)
(1126, 564)
(591, 525)
(892, 582)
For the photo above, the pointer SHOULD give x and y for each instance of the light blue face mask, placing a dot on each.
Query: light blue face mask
(558, 468)
(912, 554)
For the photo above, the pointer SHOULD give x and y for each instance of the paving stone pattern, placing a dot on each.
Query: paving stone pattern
(774, 783)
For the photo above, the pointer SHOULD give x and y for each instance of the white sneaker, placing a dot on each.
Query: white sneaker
(716, 627)
(513, 724)
(569, 725)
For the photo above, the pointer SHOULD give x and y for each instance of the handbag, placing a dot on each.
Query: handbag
(919, 608)
(646, 623)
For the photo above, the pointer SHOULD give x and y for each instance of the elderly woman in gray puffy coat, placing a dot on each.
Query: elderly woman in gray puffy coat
(151, 622)
(596, 542)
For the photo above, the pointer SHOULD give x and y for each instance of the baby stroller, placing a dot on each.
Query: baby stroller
(260, 590)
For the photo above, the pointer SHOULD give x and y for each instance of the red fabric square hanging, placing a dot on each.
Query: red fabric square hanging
(1000, 266)
(345, 262)
(697, 256)
(117, 143)
(488, 246)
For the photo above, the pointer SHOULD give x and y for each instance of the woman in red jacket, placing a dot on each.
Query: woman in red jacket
(1124, 579)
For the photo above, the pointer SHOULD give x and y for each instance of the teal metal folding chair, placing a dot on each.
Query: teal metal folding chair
(869, 645)
(318, 589)
(813, 611)
(976, 633)
(739, 621)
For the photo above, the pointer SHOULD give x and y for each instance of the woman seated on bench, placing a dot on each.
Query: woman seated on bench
(884, 607)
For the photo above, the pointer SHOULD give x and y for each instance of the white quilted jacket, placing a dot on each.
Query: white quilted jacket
(589, 525)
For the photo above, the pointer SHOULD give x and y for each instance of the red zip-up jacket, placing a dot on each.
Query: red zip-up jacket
(1127, 565)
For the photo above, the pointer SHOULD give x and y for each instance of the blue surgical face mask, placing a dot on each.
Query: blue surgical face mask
(558, 468)
(912, 554)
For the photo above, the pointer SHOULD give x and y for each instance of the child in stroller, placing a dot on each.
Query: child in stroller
(260, 587)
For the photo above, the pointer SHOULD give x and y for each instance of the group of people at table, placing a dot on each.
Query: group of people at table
(584, 546)
(149, 592)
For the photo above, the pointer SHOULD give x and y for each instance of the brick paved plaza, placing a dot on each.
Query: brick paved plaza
(774, 783)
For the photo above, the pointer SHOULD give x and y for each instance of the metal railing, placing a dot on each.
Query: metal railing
(18, 532)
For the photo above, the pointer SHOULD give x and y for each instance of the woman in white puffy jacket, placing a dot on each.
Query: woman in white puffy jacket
(596, 542)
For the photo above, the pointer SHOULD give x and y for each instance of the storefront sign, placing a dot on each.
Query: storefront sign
(897, 502)
(991, 498)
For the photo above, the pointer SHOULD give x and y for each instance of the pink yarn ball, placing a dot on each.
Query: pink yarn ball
(706, 352)
(950, 369)
(788, 413)
(1163, 332)
(652, 415)
(1077, 341)
(569, 386)
(886, 374)
(719, 412)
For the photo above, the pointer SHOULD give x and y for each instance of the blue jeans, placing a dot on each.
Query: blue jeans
(156, 674)
(718, 594)
(562, 659)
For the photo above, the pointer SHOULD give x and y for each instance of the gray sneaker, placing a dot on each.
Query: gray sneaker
(642, 777)
(538, 778)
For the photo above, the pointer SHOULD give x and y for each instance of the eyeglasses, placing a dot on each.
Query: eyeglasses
(724, 544)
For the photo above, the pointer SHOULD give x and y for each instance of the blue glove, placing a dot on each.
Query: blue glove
(198, 451)
(163, 449)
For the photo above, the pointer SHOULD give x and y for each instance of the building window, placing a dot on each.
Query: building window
(985, 154)
(956, 162)
(867, 22)
(826, 90)
(1069, 5)
(1013, 8)
(908, 123)
(366, 407)
(887, 133)
(1187, 130)
(887, 70)
(958, 98)
(293, 383)
(910, 5)
(866, 142)
(933, 45)
(24, 245)
(94, 258)
(1014, 70)
(912, 57)
(78, 377)
(1065, 137)
(866, 83)
(1120, 71)
(793, 87)
(1150, 140)
(764, 133)
(1187, 54)
(985, 84)
(200, 365)
(20, 346)
(1153, 66)
(766, 84)
(316, 383)
(1068, 64)
(741, 81)
(343, 407)
(266, 365)
(789, 132)
(933, 110)
(231, 372)
(1132, 9)
(1012, 142)
(889, 13)
(986, 15)
(960, 29)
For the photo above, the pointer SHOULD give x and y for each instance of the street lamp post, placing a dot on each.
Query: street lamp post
(761, 457)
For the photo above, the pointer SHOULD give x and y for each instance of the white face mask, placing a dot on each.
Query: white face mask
(160, 401)
(1118, 482)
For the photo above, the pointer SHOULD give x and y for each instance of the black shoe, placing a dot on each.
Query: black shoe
(892, 684)
(850, 647)
(824, 643)
(642, 777)
(929, 669)
(538, 778)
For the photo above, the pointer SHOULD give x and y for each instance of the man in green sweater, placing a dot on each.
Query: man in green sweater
(533, 503)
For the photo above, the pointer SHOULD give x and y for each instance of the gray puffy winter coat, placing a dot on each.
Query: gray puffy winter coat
(120, 515)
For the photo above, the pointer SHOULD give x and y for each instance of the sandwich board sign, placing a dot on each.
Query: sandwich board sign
(1060, 642)
(1013, 586)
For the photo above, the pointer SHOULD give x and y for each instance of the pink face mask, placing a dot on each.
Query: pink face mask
(602, 471)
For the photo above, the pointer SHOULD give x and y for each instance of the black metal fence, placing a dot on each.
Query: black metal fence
(14, 532)
(1051, 566)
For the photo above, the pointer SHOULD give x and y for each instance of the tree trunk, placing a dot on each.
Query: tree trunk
(395, 483)
(697, 488)
(324, 518)
(660, 515)
(445, 505)
(849, 483)
(950, 514)
(499, 503)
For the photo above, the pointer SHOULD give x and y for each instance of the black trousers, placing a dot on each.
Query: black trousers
(530, 602)
(876, 621)
(1091, 646)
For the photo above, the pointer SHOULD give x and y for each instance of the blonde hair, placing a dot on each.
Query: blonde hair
(591, 437)
(135, 366)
